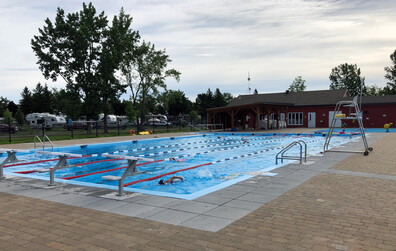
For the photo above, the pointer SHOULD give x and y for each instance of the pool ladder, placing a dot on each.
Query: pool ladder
(303, 151)
(42, 142)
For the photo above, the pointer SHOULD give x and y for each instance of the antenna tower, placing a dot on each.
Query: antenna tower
(249, 89)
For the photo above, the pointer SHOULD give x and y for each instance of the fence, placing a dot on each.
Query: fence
(10, 133)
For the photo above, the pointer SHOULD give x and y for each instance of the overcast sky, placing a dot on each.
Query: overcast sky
(215, 43)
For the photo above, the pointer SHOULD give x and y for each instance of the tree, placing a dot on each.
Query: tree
(203, 102)
(26, 103)
(218, 99)
(391, 74)
(67, 102)
(177, 103)
(228, 97)
(120, 40)
(19, 117)
(42, 99)
(70, 48)
(7, 116)
(3, 105)
(373, 90)
(298, 85)
(81, 48)
(346, 76)
(145, 72)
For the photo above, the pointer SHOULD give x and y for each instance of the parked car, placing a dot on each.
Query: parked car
(6, 128)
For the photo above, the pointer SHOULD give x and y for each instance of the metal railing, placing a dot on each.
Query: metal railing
(301, 143)
(42, 142)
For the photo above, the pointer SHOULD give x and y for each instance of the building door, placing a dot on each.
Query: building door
(311, 119)
(337, 122)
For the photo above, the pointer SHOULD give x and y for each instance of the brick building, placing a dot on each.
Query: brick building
(299, 109)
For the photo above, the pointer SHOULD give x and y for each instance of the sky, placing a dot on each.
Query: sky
(214, 44)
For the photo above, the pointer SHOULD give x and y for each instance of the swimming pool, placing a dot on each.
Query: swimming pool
(207, 162)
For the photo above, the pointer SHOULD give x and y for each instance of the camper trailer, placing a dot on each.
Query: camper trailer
(157, 120)
(45, 120)
(113, 121)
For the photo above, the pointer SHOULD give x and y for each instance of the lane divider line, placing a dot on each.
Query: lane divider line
(210, 163)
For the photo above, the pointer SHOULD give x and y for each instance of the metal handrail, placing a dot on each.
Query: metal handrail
(288, 147)
(52, 145)
(43, 141)
(37, 137)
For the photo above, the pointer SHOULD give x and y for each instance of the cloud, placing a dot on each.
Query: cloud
(215, 43)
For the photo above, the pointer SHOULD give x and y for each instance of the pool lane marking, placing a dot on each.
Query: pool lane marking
(47, 160)
(180, 156)
(133, 150)
(195, 147)
(209, 163)
(109, 170)
(81, 164)
(179, 150)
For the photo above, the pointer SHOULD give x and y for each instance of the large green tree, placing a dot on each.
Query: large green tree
(298, 85)
(174, 103)
(86, 53)
(145, 71)
(3, 104)
(346, 76)
(26, 102)
(43, 99)
(391, 75)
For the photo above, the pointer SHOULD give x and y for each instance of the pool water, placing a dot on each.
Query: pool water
(206, 162)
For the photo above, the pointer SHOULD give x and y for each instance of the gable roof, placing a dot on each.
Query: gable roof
(304, 98)
(373, 100)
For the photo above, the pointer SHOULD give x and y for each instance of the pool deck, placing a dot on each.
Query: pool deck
(338, 201)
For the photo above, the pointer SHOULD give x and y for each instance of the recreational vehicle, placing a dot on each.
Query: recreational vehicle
(45, 120)
(157, 120)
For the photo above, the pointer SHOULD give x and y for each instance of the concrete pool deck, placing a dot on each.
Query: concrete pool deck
(339, 201)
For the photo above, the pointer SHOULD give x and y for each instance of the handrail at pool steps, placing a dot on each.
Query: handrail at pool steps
(131, 170)
(284, 150)
(43, 141)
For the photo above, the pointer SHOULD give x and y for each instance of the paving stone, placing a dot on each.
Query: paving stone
(228, 194)
(243, 204)
(171, 216)
(212, 199)
(106, 205)
(207, 223)
(133, 209)
(82, 200)
(227, 212)
(193, 206)
(156, 201)
(258, 198)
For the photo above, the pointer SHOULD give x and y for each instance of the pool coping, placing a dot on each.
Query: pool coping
(210, 212)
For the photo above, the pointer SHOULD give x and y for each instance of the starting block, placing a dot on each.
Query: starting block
(62, 163)
(11, 158)
(131, 170)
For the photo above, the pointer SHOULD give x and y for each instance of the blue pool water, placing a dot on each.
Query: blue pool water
(208, 162)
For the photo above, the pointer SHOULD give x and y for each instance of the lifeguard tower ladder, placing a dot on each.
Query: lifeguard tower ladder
(356, 115)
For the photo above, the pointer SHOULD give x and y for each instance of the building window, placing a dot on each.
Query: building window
(295, 118)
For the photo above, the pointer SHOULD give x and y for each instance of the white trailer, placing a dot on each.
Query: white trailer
(46, 120)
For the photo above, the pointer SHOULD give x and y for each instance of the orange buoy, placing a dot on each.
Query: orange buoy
(131, 132)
